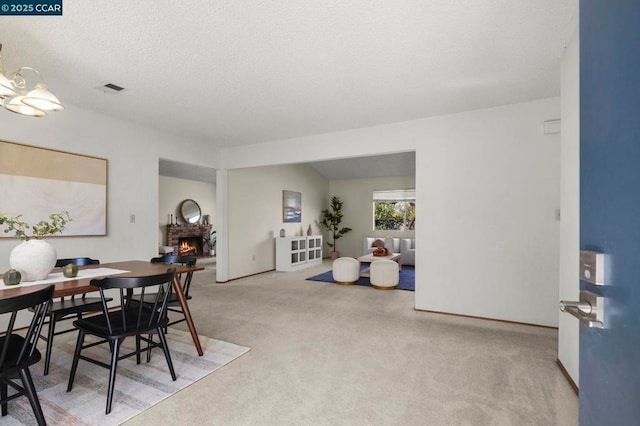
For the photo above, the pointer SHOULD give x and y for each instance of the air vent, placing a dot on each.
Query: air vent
(113, 87)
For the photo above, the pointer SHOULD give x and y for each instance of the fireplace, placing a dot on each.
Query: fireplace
(190, 246)
(187, 239)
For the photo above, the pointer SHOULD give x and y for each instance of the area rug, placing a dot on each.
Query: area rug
(137, 387)
(407, 278)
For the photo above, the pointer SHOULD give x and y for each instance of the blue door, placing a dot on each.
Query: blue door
(610, 206)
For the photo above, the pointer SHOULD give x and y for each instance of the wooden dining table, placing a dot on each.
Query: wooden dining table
(134, 268)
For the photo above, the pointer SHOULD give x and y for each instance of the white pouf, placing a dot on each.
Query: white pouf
(346, 270)
(385, 274)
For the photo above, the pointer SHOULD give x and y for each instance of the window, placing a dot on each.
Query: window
(394, 209)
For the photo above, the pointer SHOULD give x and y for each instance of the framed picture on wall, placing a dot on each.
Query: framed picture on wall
(291, 206)
(36, 182)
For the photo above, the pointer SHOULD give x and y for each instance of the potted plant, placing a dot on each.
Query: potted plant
(210, 241)
(331, 220)
(34, 257)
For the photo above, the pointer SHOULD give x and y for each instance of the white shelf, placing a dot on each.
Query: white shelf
(298, 252)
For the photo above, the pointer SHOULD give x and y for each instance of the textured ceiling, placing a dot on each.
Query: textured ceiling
(403, 164)
(250, 71)
(186, 171)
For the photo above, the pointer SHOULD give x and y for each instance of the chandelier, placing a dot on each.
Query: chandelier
(19, 96)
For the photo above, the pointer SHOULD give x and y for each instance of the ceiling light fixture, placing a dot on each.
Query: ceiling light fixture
(17, 95)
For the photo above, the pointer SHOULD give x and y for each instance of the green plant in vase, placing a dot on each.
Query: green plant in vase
(34, 257)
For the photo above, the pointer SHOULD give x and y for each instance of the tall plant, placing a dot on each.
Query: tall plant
(332, 219)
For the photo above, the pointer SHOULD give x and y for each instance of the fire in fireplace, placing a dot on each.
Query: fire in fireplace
(190, 246)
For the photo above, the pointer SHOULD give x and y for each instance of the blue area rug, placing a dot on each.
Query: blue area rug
(407, 278)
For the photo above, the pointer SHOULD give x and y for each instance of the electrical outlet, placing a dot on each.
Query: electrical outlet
(132, 218)
(254, 258)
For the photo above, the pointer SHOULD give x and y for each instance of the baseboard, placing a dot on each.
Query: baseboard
(244, 276)
(486, 318)
(568, 377)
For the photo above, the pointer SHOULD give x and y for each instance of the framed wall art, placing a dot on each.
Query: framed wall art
(291, 206)
(36, 182)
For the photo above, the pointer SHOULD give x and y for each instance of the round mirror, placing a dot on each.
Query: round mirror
(190, 211)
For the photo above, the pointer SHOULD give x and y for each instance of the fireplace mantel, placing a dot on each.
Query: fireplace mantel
(175, 232)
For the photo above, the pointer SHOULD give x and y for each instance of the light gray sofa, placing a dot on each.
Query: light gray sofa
(405, 246)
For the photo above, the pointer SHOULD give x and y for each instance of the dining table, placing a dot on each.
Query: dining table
(129, 268)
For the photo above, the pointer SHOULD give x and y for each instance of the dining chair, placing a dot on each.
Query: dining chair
(68, 308)
(173, 304)
(130, 319)
(18, 351)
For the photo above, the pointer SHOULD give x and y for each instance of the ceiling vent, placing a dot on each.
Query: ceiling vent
(112, 88)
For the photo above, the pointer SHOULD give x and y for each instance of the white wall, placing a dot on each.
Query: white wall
(172, 191)
(357, 195)
(255, 213)
(487, 183)
(569, 327)
(132, 152)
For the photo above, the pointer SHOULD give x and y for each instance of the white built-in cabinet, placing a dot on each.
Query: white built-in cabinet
(298, 252)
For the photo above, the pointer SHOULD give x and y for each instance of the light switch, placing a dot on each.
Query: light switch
(132, 218)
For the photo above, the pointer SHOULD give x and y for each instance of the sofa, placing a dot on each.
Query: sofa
(405, 246)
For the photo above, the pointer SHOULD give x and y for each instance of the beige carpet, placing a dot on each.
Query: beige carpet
(137, 388)
(325, 354)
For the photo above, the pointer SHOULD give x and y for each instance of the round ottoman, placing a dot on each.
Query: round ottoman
(385, 274)
(346, 270)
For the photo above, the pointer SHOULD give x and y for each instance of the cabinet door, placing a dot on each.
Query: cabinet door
(298, 250)
(315, 248)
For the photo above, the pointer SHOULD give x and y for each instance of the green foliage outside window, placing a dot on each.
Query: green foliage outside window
(394, 215)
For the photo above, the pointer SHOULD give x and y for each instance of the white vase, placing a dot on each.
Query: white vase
(34, 259)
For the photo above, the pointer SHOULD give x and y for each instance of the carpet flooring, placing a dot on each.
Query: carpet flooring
(328, 355)
(137, 387)
(407, 278)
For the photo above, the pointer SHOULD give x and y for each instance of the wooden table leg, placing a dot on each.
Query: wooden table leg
(177, 286)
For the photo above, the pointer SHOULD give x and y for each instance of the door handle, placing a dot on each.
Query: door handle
(583, 306)
(589, 309)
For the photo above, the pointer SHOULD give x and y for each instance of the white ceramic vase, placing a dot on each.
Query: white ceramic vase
(34, 259)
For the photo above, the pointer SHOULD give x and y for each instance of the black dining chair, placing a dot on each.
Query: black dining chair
(173, 304)
(18, 351)
(66, 308)
(130, 319)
